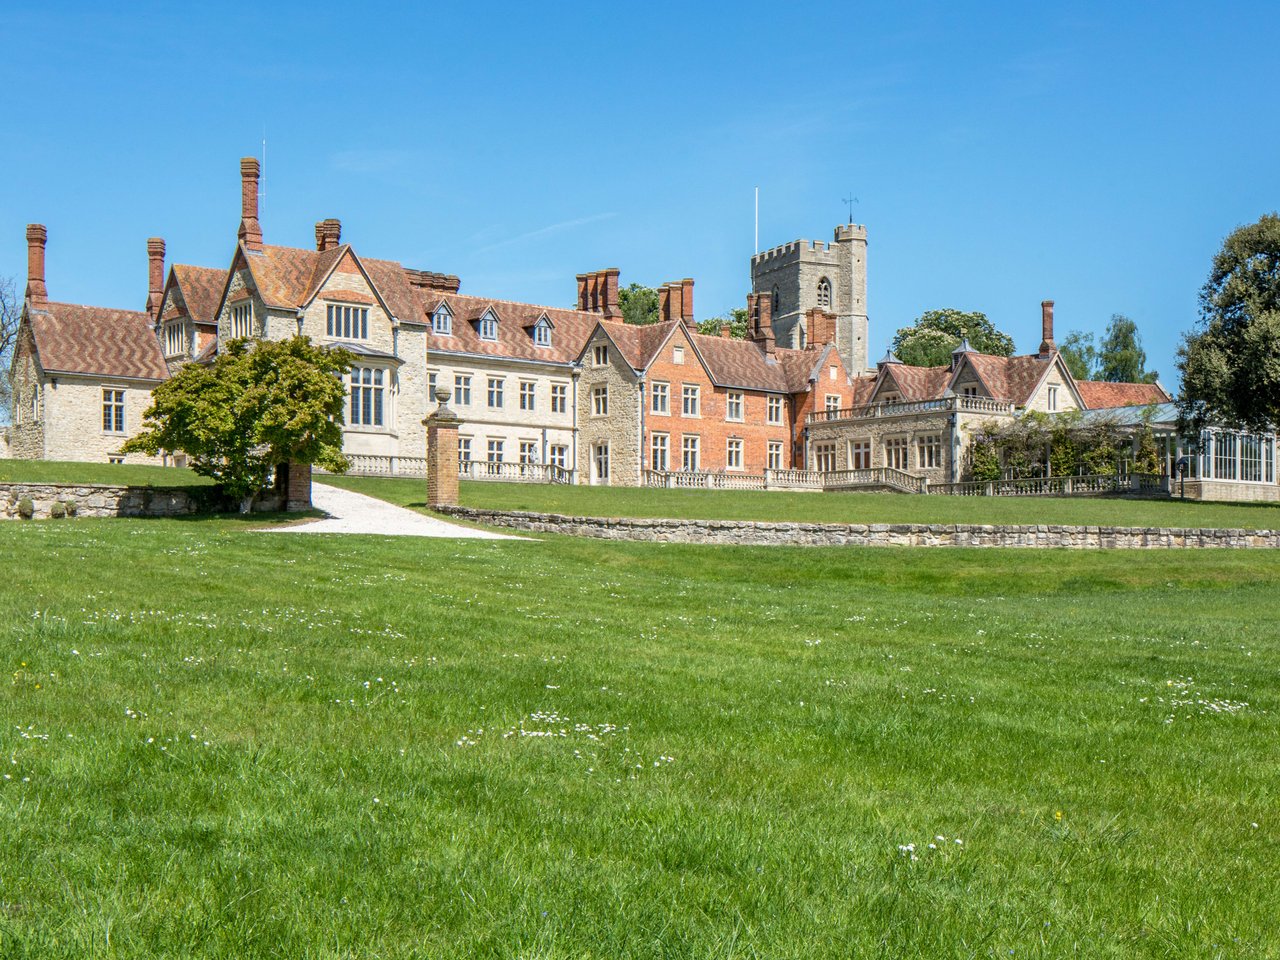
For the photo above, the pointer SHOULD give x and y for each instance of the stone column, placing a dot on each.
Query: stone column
(442, 454)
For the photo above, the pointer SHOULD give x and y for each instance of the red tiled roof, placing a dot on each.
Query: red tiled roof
(392, 283)
(639, 343)
(863, 387)
(1009, 378)
(201, 290)
(740, 363)
(1098, 394)
(572, 329)
(283, 275)
(919, 383)
(98, 341)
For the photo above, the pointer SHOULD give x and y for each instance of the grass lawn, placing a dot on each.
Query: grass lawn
(138, 475)
(825, 507)
(221, 743)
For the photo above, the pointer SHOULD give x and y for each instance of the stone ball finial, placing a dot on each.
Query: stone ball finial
(442, 395)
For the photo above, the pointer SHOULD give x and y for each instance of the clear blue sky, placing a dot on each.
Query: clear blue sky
(1095, 154)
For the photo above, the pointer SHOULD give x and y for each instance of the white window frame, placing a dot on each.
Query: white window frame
(690, 400)
(542, 334)
(240, 320)
(462, 389)
(600, 400)
(464, 449)
(659, 451)
(558, 455)
(346, 321)
(774, 410)
(735, 405)
(528, 395)
(1051, 398)
(897, 453)
(929, 451)
(832, 401)
(487, 328)
(690, 452)
(113, 412)
(660, 397)
(495, 392)
(733, 453)
(559, 398)
(495, 449)
(860, 454)
(824, 456)
(368, 397)
(600, 463)
(175, 338)
(775, 454)
(529, 452)
(442, 321)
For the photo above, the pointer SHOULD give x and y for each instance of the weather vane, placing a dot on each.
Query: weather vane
(850, 200)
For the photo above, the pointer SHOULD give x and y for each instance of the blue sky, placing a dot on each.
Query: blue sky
(1095, 154)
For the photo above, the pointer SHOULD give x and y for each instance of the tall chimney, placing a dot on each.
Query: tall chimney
(332, 233)
(664, 303)
(609, 293)
(155, 276)
(319, 234)
(1047, 346)
(36, 237)
(250, 230)
(760, 320)
(582, 291)
(686, 301)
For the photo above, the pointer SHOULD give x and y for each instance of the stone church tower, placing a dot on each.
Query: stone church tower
(804, 274)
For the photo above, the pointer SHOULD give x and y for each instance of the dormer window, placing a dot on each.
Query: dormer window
(542, 333)
(442, 321)
(488, 326)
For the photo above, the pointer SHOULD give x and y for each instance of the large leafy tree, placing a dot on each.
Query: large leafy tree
(930, 341)
(1230, 364)
(1080, 354)
(1121, 358)
(259, 404)
(639, 304)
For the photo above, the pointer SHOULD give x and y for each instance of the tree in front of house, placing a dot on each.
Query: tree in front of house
(735, 319)
(259, 404)
(10, 316)
(930, 341)
(639, 304)
(1230, 365)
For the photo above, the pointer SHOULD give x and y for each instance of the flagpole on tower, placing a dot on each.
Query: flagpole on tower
(757, 219)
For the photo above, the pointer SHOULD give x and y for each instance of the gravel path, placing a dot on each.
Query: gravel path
(351, 512)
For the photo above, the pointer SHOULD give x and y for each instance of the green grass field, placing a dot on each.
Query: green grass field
(54, 471)
(825, 507)
(222, 743)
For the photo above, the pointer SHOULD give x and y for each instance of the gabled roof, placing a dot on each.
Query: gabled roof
(96, 341)
(572, 328)
(1098, 394)
(639, 343)
(916, 383)
(201, 289)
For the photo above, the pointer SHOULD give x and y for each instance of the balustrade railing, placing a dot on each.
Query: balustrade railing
(514, 472)
(899, 408)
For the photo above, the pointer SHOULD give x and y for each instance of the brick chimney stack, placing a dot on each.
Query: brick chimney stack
(820, 327)
(36, 237)
(686, 302)
(760, 321)
(332, 233)
(155, 276)
(1047, 346)
(582, 291)
(609, 293)
(250, 230)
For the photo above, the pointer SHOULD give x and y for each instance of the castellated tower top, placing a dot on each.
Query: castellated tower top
(831, 276)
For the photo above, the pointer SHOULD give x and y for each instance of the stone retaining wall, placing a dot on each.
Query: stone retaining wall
(761, 533)
(53, 500)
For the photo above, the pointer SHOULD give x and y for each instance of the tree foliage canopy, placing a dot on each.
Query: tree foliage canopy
(259, 404)
(10, 316)
(1080, 354)
(930, 341)
(735, 318)
(1121, 358)
(1230, 365)
(639, 304)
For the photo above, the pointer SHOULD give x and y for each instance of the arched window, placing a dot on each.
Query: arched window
(776, 301)
(824, 293)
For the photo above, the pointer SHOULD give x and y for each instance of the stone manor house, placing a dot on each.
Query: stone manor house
(560, 394)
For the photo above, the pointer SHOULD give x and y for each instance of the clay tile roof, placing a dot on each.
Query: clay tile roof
(920, 383)
(798, 366)
(284, 275)
(201, 290)
(863, 387)
(740, 363)
(1098, 394)
(1009, 378)
(515, 320)
(97, 340)
(639, 343)
(392, 283)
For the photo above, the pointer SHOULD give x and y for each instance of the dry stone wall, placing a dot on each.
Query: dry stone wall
(760, 533)
(27, 501)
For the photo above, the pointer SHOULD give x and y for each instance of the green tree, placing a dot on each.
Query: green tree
(936, 333)
(10, 317)
(1230, 365)
(639, 304)
(259, 404)
(1121, 358)
(735, 318)
(1079, 354)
